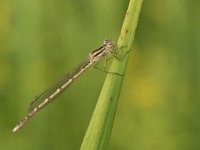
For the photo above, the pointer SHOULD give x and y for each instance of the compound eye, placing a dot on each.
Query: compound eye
(105, 42)
(110, 44)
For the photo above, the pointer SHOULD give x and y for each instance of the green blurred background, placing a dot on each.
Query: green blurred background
(159, 107)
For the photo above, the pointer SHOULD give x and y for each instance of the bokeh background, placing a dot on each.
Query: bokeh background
(159, 106)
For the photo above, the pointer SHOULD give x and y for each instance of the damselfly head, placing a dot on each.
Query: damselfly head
(108, 43)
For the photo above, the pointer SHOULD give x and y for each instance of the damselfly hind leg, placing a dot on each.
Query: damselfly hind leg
(106, 65)
(119, 54)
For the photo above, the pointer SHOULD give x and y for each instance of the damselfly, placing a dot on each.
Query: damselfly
(52, 92)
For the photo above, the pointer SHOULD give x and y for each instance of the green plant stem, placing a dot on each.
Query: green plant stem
(98, 133)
